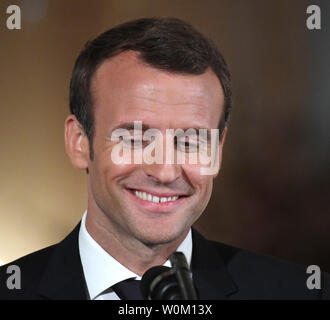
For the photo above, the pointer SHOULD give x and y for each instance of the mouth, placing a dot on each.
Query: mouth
(155, 201)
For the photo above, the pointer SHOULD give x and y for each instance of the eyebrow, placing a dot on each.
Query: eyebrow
(130, 126)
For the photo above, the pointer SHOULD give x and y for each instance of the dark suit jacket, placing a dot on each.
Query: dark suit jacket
(219, 272)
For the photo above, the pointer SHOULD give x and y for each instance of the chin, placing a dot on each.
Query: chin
(158, 237)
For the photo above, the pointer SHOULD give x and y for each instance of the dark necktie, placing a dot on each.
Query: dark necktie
(128, 289)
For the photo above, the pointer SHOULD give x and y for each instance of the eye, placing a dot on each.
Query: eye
(187, 144)
(135, 142)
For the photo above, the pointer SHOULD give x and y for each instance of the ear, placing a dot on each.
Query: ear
(76, 143)
(221, 144)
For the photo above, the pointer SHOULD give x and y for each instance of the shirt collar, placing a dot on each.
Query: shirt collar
(101, 270)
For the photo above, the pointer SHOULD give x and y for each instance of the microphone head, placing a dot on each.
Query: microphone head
(155, 282)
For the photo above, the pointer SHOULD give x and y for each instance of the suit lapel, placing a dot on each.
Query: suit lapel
(211, 278)
(64, 277)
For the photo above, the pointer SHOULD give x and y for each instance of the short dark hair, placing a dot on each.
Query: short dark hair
(167, 44)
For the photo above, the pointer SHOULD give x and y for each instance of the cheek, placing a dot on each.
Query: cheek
(112, 174)
(202, 183)
(107, 165)
(103, 172)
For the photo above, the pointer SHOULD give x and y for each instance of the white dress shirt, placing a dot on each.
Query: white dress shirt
(102, 271)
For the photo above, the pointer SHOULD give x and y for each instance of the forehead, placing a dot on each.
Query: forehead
(127, 89)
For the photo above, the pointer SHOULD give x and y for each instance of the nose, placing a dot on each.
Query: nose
(162, 173)
(168, 170)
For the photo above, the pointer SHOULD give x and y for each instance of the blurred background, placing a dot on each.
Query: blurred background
(273, 193)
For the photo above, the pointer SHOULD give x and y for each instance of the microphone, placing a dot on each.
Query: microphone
(164, 283)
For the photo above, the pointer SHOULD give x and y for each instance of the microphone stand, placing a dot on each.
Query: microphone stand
(183, 275)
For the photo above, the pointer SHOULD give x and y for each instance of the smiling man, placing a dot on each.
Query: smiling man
(166, 75)
(118, 219)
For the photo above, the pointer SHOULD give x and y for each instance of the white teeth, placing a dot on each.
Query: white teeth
(155, 199)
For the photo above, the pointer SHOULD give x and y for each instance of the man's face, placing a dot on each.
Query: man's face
(125, 90)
